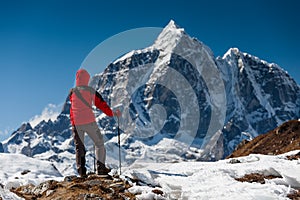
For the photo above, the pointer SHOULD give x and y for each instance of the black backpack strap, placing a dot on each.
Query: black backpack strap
(78, 94)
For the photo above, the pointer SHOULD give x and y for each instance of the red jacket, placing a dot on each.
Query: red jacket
(80, 113)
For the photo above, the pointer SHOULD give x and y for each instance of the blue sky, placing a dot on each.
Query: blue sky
(43, 43)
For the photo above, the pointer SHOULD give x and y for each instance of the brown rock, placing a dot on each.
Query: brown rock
(256, 177)
(92, 187)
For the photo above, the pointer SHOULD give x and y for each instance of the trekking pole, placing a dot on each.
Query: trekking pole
(119, 142)
(94, 159)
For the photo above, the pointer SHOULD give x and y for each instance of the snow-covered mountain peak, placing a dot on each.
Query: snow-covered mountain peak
(172, 40)
(173, 28)
(167, 40)
(243, 59)
(173, 25)
(25, 127)
(169, 37)
(232, 51)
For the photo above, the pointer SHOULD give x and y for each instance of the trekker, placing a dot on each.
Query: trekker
(82, 97)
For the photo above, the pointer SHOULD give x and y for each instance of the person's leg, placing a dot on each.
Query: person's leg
(100, 152)
(78, 134)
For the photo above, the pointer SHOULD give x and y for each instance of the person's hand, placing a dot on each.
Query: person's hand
(117, 113)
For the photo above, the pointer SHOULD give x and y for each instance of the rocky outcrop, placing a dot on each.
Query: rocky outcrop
(283, 139)
(72, 187)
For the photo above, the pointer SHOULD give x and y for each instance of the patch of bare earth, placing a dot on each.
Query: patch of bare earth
(294, 157)
(256, 177)
(283, 139)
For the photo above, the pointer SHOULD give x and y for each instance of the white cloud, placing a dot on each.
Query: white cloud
(51, 111)
(5, 133)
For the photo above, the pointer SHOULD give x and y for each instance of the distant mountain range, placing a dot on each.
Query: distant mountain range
(177, 98)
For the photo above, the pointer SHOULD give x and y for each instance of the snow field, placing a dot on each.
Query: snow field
(181, 180)
(216, 180)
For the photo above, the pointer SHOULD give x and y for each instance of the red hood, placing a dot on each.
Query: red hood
(82, 77)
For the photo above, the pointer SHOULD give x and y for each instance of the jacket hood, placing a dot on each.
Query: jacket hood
(82, 77)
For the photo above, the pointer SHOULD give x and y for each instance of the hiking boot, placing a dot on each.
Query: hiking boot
(101, 169)
(81, 167)
(82, 172)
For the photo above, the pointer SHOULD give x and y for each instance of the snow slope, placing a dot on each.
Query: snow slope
(184, 180)
(216, 180)
(18, 169)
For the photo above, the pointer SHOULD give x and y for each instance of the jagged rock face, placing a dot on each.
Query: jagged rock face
(177, 89)
(260, 97)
